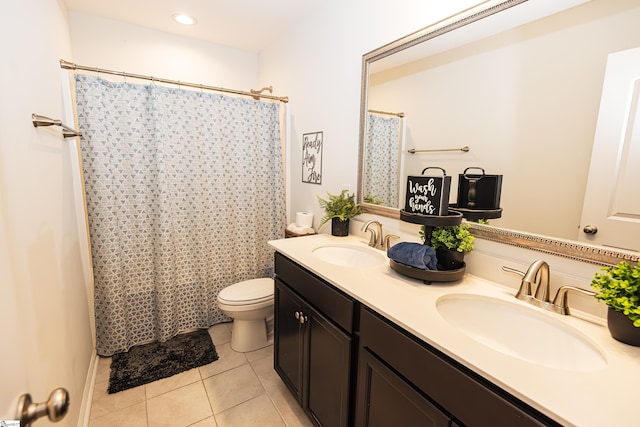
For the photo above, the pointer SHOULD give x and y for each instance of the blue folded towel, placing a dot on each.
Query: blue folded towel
(414, 255)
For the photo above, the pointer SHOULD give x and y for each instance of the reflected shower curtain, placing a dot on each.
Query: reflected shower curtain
(183, 191)
(382, 157)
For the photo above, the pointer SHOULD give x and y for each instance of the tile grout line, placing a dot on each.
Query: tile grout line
(201, 379)
(268, 394)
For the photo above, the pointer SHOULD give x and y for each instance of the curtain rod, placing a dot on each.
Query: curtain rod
(255, 94)
(401, 115)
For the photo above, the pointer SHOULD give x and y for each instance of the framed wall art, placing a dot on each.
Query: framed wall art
(312, 158)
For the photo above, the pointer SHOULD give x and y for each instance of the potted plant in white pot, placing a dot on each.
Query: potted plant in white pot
(339, 209)
(619, 288)
(450, 244)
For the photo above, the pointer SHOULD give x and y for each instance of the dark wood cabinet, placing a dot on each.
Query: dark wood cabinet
(348, 365)
(289, 338)
(313, 352)
(430, 384)
(329, 371)
(386, 399)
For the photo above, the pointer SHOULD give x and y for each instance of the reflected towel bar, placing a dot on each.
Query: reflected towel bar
(67, 132)
(465, 149)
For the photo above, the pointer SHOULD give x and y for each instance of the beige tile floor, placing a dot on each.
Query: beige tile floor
(237, 390)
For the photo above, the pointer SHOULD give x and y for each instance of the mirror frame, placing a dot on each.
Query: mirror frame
(565, 248)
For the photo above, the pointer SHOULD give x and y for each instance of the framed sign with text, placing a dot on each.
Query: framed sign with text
(428, 195)
(312, 158)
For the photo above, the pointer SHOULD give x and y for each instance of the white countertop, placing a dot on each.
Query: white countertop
(600, 397)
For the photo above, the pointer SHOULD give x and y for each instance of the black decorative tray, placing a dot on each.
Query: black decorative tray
(428, 276)
(453, 218)
(477, 213)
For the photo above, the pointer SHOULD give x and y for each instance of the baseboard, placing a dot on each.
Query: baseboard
(87, 395)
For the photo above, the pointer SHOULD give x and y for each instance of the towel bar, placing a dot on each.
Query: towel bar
(67, 132)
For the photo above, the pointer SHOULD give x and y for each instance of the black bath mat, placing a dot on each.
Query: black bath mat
(150, 362)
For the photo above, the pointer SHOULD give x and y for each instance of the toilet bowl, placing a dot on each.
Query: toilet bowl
(250, 305)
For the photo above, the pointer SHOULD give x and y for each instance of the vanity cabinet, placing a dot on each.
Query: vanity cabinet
(350, 366)
(401, 376)
(386, 399)
(313, 345)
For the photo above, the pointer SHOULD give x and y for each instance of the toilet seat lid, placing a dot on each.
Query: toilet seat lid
(248, 292)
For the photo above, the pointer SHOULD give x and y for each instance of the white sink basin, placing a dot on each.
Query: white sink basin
(521, 332)
(349, 256)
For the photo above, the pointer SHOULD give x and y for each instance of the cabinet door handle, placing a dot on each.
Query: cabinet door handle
(301, 317)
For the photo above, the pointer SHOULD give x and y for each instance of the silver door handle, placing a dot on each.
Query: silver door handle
(590, 229)
(55, 408)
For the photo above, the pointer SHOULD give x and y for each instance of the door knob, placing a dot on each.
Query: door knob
(590, 229)
(55, 408)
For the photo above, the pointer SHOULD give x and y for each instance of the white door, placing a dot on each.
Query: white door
(611, 211)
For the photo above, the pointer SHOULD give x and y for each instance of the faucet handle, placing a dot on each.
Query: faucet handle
(387, 240)
(524, 292)
(561, 300)
(513, 270)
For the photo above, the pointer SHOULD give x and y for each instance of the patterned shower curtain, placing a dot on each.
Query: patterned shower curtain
(183, 191)
(382, 148)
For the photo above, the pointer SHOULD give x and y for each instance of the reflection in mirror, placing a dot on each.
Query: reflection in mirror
(382, 154)
(521, 88)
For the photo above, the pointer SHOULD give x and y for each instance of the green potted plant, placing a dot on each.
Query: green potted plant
(339, 209)
(450, 244)
(619, 288)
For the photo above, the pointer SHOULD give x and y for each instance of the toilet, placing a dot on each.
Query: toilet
(250, 305)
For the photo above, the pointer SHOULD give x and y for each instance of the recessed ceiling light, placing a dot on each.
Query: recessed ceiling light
(185, 19)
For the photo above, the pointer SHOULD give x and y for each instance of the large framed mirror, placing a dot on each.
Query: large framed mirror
(512, 87)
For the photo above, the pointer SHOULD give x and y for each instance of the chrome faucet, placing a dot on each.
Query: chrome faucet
(376, 234)
(377, 239)
(538, 275)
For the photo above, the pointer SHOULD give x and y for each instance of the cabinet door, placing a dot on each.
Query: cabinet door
(469, 398)
(385, 399)
(288, 338)
(329, 371)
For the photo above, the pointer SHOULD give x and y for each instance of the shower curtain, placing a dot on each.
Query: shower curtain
(382, 158)
(183, 191)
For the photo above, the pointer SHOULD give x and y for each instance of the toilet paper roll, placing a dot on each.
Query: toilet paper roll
(304, 219)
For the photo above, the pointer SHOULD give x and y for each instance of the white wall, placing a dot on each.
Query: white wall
(114, 45)
(318, 64)
(45, 329)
